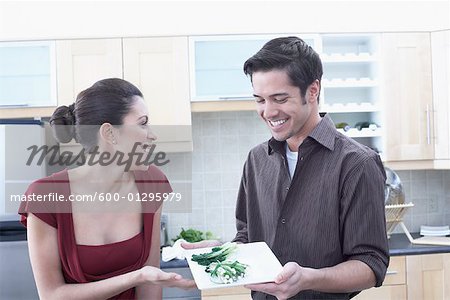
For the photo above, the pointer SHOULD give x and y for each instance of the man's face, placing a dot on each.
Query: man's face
(280, 104)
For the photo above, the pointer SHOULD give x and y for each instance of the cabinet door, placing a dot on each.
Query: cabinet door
(159, 67)
(81, 63)
(428, 276)
(394, 285)
(394, 292)
(440, 53)
(408, 96)
(27, 79)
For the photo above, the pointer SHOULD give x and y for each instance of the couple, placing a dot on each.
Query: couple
(313, 195)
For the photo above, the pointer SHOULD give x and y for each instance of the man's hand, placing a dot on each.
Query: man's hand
(201, 244)
(291, 280)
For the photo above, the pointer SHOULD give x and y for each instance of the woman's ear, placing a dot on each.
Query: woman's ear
(107, 133)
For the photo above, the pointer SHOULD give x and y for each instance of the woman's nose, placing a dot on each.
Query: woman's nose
(150, 135)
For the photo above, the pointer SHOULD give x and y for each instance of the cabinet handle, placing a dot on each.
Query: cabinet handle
(391, 272)
(428, 125)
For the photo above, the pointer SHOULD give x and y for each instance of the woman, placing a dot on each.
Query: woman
(85, 249)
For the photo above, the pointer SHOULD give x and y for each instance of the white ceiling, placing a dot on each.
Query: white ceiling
(34, 20)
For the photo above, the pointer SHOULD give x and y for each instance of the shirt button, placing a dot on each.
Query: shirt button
(301, 158)
(283, 221)
(287, 189)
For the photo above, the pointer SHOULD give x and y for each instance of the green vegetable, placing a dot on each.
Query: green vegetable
(217, 254)
(192, 235)
(226, 271)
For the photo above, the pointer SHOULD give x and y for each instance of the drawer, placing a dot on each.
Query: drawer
(396, 272)
(389, 292)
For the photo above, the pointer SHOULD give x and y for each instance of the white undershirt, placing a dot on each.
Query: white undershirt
(292, 160)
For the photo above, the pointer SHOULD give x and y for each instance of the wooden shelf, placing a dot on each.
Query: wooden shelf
(365, 132)
(348, 83)
(348, 58)
(349, 108)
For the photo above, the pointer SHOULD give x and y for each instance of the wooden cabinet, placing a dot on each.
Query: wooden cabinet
(428, 276)
(440, 53)
(233, 293)
(394, 286)
(80, 63)
(160, 68)
(408, 277)
(27, 78)
(408, 97)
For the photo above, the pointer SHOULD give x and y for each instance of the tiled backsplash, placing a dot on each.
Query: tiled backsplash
(429, 191)
(222, 141)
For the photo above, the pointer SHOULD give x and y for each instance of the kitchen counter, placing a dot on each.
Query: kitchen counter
(398, 245)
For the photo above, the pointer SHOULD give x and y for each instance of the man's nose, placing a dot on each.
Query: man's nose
(270, 110)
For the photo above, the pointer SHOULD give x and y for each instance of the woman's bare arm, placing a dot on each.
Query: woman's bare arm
(45, 261)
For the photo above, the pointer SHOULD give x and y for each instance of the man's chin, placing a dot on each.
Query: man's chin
(279, 138)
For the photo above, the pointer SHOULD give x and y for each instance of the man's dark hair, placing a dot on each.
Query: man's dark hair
(292, 54)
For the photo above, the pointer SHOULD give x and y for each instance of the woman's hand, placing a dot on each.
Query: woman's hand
(156, 276)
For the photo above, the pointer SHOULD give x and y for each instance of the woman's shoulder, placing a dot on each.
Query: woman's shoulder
(58, 181)
(153, 173)
(45, 198)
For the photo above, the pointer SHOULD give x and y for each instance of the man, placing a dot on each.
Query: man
(315, 196)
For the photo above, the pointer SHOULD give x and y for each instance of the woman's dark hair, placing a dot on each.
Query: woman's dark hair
(301, 62)
(107, 101)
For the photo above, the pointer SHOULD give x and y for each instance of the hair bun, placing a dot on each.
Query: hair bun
(63, 123)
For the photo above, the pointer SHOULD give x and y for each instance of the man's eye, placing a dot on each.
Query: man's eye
(259, 100)
(281, 100)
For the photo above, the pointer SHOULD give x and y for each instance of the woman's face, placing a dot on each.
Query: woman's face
(134, 136)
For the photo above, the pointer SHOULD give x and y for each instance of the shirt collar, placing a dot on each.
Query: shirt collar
(324, 133)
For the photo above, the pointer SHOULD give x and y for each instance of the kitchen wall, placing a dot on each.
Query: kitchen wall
(221, 144)
(429, 191)
(222, 141)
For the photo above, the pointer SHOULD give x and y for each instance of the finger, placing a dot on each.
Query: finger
(164, 276)
(186, 284)
(287, 272)
(201, 244)
(268, 288)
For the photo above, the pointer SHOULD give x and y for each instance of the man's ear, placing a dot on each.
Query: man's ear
(313, 91)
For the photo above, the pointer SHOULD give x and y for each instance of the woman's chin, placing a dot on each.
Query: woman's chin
(139, 168)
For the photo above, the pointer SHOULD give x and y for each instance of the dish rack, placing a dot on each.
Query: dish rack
(394, 217)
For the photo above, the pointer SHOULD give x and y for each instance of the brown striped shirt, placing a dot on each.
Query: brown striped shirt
(330, 212)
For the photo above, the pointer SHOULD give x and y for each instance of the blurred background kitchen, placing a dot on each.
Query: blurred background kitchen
(386, 84)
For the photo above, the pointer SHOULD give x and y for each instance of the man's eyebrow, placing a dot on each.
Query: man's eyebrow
(273, 95)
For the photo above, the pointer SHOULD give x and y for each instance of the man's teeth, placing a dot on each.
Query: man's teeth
(277, 123)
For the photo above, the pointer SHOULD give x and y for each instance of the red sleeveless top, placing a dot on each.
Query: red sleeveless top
(85, 263)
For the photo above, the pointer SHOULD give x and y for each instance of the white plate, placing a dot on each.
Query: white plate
(263, 266)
